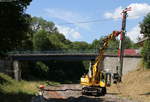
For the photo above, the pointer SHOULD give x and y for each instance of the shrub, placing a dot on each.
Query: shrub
(146, 54)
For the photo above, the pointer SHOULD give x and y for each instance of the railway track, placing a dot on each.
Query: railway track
(72, 93)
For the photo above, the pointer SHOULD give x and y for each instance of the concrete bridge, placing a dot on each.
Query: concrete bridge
(60, 55)
(110, 60)
(54, 56)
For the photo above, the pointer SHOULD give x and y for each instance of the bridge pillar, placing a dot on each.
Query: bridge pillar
(90, 68)
(17, 70)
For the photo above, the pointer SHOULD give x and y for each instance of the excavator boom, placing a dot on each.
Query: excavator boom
(97, 81)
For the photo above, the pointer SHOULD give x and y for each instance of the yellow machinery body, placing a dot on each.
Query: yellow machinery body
(97, 82)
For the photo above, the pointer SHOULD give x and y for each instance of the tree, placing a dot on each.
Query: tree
(58, 40)
(146, 53)
(80, 45)
(41, 41)
(145, 26)
(14, 24)
(112, 45)
(39, 23)
(96, 44)
(128, 43)
(145, 30)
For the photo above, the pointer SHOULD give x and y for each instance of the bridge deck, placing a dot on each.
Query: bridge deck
(61, 56)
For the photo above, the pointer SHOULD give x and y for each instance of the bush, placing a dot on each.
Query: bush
(146, 54)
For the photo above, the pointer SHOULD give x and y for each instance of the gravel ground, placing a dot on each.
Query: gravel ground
(72, 93)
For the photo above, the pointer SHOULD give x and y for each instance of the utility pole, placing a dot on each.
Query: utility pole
(122, 37)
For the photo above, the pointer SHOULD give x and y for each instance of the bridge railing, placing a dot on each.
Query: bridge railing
(53, 52)
(63, 51)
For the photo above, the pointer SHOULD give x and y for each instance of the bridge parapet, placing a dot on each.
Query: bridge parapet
(93, 51)
(61, 55)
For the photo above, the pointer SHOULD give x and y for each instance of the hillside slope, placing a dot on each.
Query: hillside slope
(135, 85)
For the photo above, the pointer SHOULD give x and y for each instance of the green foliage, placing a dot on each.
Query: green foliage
(19, 91)
(41, 41)
(46, 36)
(41, 70)
(80, 45)
(145, 30)
(112, 46)
(41, 24)
(146, 53)
(145, 26)
(14, 24)
(96, 44)
(42, 66)
(58, 40)
(128, 43)
(11, 90)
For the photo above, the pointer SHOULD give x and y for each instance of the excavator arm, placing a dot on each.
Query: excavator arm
(100, 56)
(97, 80)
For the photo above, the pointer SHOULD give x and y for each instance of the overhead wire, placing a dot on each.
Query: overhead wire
(89, 21)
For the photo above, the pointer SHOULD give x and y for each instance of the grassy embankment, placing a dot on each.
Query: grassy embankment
(13, 91)
(135, 86)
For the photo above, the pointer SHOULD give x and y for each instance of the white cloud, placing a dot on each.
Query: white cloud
(69, 33)
(115, 15)
(134, 33)
(68, 16)
(137, 10)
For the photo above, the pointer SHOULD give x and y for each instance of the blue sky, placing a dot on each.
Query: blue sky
(107, 14)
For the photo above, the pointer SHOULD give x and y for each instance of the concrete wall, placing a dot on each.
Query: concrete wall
(2, 65)
(6, 67)
(130, 63)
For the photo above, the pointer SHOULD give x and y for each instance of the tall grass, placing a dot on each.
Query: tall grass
(14, 91)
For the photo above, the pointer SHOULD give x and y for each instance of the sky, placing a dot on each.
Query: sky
(87, 20)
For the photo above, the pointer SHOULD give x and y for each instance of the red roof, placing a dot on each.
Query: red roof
(129, 52)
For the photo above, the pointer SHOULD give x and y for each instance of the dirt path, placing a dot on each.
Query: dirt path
(72, 93)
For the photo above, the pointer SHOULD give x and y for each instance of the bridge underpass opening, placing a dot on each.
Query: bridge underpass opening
(62, 71)
(68, 59)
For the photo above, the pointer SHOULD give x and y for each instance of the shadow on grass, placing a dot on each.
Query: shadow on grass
(148, 93)
(15, 97)
(2, 81)
(113, 93)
